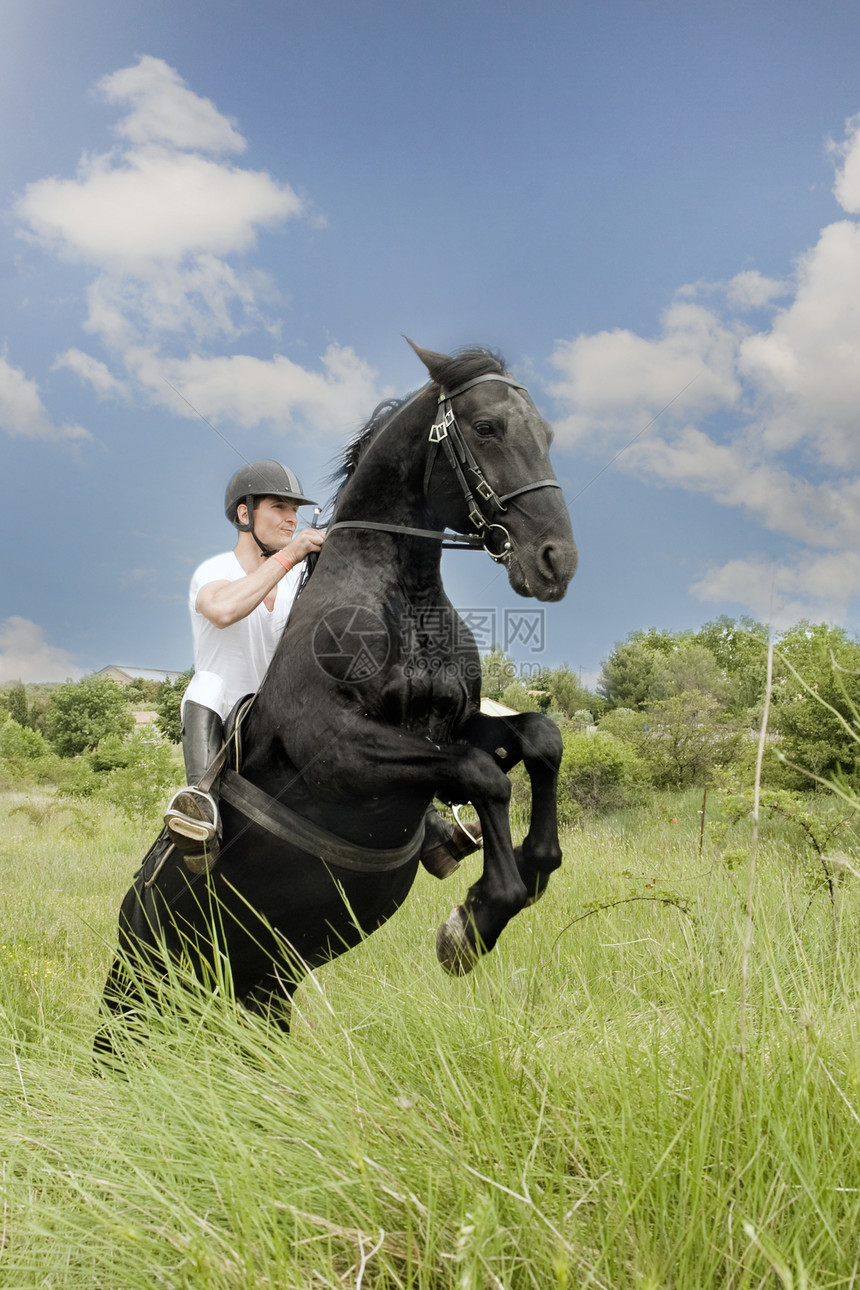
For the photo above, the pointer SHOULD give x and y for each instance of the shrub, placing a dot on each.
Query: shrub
(680, 739)
(17, 741)
(24, 755)
(516, 696)
(135, 775)
(140, 780)
(598, 773)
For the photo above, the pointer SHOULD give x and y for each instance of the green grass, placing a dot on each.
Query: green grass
(574, 1113)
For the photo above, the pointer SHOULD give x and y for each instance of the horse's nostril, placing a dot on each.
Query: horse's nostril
(557, 563)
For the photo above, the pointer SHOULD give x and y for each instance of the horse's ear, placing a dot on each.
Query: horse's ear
(436, 364)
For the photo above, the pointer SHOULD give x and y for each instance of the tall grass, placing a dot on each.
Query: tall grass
(564, 1117)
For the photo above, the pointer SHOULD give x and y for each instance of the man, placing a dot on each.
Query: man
(240, 602)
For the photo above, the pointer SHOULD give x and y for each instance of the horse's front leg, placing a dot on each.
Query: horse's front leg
(394, 762)
(500, 892)
(534, 740)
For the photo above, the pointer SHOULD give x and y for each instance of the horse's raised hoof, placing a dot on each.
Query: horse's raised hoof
(454, 950)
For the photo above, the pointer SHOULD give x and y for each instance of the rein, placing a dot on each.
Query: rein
(446, 433)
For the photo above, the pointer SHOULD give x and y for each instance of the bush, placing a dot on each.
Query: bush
(598, 773)
(24, 755)
(141, 778)
(516, 696)
(680, 740)
(17, 741)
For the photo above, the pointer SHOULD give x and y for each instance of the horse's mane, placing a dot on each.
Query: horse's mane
(457, 368)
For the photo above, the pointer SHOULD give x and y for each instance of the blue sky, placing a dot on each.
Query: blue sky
(638, 204)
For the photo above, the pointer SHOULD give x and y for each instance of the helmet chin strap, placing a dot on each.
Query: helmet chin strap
(265, 550)
(249, 528)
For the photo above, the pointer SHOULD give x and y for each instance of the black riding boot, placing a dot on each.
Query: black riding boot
(445, 844)
(192, 817)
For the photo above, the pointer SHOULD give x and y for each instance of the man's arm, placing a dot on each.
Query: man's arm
(224, 602)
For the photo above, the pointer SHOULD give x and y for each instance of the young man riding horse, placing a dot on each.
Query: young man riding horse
(240, 602)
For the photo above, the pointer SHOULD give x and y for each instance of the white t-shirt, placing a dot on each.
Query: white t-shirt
(238, 655)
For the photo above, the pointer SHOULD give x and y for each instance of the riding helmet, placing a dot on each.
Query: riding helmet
(262, 479)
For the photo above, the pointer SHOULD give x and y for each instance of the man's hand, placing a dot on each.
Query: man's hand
(303, 543)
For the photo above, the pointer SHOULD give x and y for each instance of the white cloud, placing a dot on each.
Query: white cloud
(151, 206)
(25, 655)
(617, 380)
(248, 391)
(821, 587)
(805, 371)
(163, 108)
(22, 411)
(752, 290)
(771, 423)
(161, 221)
(92, 371)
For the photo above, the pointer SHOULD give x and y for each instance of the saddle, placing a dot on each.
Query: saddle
(276, 817)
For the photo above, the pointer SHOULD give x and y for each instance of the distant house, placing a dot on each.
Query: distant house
(125, 675)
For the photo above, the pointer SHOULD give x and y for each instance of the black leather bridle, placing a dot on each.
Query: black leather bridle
(483, 503)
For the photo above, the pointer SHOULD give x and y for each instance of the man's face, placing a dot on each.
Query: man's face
(275, 521)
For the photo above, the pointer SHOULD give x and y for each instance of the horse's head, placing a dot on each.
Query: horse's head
(488, 472)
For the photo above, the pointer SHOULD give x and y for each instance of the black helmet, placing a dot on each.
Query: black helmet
(261, 479)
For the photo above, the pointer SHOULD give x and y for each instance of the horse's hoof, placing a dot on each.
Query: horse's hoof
(454, 950)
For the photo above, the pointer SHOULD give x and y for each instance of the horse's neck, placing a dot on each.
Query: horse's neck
(388, 481)
(388, 489)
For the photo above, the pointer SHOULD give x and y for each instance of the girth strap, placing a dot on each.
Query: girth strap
(279, 820)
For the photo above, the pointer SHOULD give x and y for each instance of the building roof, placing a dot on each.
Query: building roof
(492, 708)
(123, 674)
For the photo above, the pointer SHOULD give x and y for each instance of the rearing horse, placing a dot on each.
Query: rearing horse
(371, 708)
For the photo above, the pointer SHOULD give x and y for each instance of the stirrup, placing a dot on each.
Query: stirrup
(473, 833)
(196, 819)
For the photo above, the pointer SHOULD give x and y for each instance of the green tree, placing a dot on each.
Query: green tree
(24, 754)
(629, 674)
(40, 699)
(740, 647)
(498, 671)
(567, 695)
(817, 702)
(16, 704)
(691, 667)
(140, 693)
(169, 719)
(82, 713)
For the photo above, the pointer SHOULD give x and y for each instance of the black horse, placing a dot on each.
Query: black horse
(371, 708)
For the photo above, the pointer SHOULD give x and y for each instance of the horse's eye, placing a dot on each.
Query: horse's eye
(483, 428)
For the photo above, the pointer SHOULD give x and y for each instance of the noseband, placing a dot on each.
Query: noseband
(483, 503)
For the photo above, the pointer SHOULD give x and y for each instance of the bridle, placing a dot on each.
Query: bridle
(483, 503)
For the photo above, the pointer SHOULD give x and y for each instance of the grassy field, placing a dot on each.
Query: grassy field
(602, 1103)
